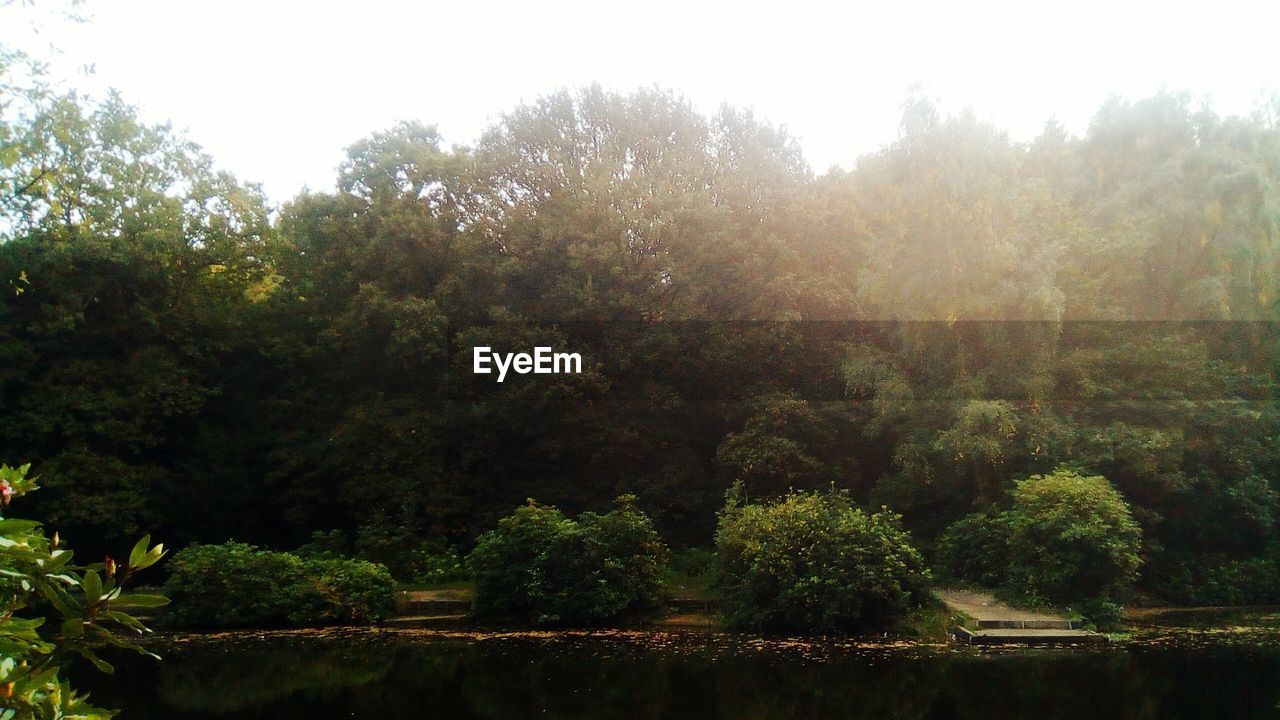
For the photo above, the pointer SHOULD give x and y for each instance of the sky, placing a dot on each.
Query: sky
(275, 89)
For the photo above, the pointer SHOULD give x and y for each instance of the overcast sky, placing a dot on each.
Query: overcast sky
(275, 89)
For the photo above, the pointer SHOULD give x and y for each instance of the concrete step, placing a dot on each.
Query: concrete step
(1060, 624)
(1026, 636)
(428, 621)
(434, 607)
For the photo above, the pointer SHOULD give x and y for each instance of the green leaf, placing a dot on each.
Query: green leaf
(92, 585)
(58, 599)
(72, 628)
(127, 620)
(98, 662)
(139, 553)
(13, 527)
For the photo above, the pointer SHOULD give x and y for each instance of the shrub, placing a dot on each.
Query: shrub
(406, 556)
(504, 560)
(393, 544)
(1212, 579)
(1071, 538)
(1102, 614)
(976, 548)
(693, 562)
(355, 591)
(1248, 581)
(238, 585)
(325, 544)
(542, 567)
(814, 562)
(434, 566)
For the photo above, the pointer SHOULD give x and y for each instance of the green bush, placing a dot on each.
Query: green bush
(407, 556)
(1071, 538)
(976, 548)
(814, 562)
(693, 562)
(1218, 580)
(390, 543)
(435, 566)
(1102, 614)
(355, 591)
(325, 544)
(1248, 581)
(505, 559)
(541, 567)
(238, 585)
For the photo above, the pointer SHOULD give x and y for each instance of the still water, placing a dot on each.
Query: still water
(681, 676)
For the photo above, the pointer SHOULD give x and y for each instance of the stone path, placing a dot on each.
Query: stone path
(985, 607)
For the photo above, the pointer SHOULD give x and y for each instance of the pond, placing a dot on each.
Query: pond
(679, 676)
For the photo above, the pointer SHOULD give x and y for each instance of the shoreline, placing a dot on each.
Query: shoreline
(685, 639)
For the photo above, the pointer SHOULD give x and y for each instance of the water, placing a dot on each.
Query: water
(681, 677)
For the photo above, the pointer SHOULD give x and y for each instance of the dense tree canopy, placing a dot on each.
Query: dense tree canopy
(957, 312)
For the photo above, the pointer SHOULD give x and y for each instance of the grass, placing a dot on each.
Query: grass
(695, 587)
(932, 621)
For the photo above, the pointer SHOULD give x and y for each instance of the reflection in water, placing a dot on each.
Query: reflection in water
(370, 676)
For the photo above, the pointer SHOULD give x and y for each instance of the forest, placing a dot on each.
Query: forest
(959, 311)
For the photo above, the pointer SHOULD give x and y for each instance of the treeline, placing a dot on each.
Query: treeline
(958, 312)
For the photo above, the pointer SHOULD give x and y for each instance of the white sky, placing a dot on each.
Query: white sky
(275, 89)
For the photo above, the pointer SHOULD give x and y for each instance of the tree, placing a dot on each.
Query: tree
(134, 258)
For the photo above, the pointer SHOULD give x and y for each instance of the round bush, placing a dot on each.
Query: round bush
(355, 591)
(505, 559)
(540, 567)
(1071, 538)
(813, 562)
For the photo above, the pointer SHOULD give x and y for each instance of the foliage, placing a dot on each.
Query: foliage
(1071, 537)
(505, 560)
(324, 544)
(1219, 580)
(132, 258)
(814, 562)
(355, 591)
(238, 585)
(433, 567)
(781, 445)
(1103, 614)
(544, 568)
(975, 548)
(693, 562)
(408, 558)
(52, 609)
(998, 308)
